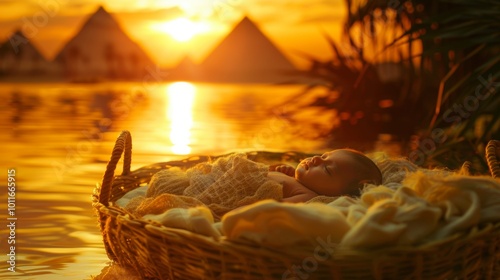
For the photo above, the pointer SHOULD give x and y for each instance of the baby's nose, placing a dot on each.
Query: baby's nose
(316, 160)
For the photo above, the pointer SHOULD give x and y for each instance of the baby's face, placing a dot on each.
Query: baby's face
(329, 174)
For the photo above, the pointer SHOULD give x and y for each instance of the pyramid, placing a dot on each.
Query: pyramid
(246, 55)
(101, 50)
(19, 57)
(185, 70)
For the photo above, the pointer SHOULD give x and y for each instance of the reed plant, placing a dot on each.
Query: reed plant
(446, 54)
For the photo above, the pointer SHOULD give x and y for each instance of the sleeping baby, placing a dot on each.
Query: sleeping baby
(234, 181)
(335, 173)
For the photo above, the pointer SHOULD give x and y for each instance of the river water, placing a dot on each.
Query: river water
(57, 138)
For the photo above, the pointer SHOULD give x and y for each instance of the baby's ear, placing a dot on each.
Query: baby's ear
(366, 181)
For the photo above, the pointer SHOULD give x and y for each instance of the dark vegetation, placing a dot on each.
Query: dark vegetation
(432, 79)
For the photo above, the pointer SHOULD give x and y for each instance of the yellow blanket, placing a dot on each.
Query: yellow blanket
(425, 208)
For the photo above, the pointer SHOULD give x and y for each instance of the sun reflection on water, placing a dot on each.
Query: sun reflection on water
(179, 113)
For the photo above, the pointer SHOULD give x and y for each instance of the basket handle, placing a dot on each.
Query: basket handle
(123, 145)
(492, 156)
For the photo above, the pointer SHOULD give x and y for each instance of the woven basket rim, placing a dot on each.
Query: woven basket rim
(464, 236)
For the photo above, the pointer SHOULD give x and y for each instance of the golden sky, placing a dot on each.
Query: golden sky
(170, 29)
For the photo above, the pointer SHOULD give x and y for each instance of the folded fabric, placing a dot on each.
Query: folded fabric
(465, 201)
(281, 224)
(133, 194)
(197, 219)
(402, 219)
(427, 207)
(164, 202)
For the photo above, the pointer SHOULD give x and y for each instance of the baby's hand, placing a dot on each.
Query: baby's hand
(286, 169)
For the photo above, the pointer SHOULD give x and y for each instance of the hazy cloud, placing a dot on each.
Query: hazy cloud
(162, 14)
(296, 11)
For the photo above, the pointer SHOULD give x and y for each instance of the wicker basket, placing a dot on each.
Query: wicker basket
(492, 156)
(158, 252)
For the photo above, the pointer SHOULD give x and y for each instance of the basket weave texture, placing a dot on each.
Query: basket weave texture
(158, 252)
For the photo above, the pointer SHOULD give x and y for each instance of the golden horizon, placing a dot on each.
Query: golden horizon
(157, 27)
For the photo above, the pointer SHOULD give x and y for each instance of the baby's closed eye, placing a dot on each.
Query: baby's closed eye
(327, 170)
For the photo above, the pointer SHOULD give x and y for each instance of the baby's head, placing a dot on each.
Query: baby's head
(339, 172)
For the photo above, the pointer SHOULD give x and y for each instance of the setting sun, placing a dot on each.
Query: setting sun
(182, 29)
